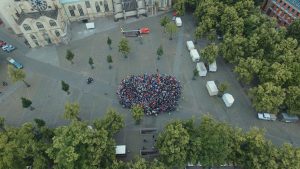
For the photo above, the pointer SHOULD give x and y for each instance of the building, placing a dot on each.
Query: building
(286, 11)
(46, 22)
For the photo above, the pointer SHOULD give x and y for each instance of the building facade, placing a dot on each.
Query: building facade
(46, 22)
(286, 11)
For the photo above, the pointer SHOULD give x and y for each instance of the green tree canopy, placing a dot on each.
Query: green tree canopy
(293, 30)
(137, 112)
(16, 74)
(173, 144)
(77, 146)
(292, 99)
(72, 111)
(70, 56)
(124, 47)
(267, 97)
(210, 53)
(171, 28)
(248, 69)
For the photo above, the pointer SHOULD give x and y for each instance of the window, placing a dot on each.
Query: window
(39, 25)
(97, 7)
(34, 40)
(71, 10)
(106, 6)
(26, 27)
(57, 33)
(87, 4)
(52, 23)
(80, 10)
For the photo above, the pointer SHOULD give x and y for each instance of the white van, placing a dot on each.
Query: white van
(190, 45)
(212, 67)
(178, 21)
(201, 69)
(195, 55)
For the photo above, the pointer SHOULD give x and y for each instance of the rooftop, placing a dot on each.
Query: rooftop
(35, 15)
(294, 3)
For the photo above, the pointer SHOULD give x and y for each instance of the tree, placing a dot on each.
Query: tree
(179, 7)
(171, 28)
(289, 156)
(109, 60)
(137, 112)
(195, 73)
(213, 143)
(164, 21)
(276, 73)
(2, 124)
(109, 41)
(21, 147)
(65, 87)
(172, 144)
(112, 122)
(210, 53)
(232, 48)
(256, 152)
(39, 122)
(292, 99)
(72, 111)
(70, 56)
(17, 75)
(159, 52)
(248, 69)
(26, 103)
(139, 163)
(91, 62)
(230, 22)
(77, 146)
(124, 47)
(223, 87)
(267, 97)
(293, 30)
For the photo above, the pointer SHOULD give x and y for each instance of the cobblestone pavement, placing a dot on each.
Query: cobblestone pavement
(95, 99)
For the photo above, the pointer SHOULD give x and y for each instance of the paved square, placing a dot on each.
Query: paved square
(48, 98)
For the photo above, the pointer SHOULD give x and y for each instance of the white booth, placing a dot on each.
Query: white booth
(195, 55)
(190, 45)
(90, 25)
(178, 21)
(212, 88)
(228, 99)
(212, 67)
(121, 150)
(201, 69)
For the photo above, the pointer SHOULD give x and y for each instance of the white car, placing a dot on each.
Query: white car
(266, 116)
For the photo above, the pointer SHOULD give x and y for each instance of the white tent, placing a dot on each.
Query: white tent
(90, 25)
(120, 149)
(228, 99)
(190, 45)
(212, 88)
(178, 21)
(213, 67)
(201, 69)
(195, 55)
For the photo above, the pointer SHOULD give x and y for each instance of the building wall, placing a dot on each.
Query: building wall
(11, 11)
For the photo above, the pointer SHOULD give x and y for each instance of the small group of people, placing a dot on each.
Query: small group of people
(89, 80)
(156, 93)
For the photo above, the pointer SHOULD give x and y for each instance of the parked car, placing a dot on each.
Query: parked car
(2, 43)
(266, 116)
(288, 118)
(14, 63)
(8, 48)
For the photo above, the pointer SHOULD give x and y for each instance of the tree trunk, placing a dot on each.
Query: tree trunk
(27, 85)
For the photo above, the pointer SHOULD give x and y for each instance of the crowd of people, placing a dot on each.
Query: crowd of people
(156, 93)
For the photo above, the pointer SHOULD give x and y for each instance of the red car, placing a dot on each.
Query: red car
(144, 30)
(2, 43)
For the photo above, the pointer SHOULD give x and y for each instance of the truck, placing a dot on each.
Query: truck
(266, 116)
(136, 32)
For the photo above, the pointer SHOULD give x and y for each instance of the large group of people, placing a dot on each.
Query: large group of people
(156, 93)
